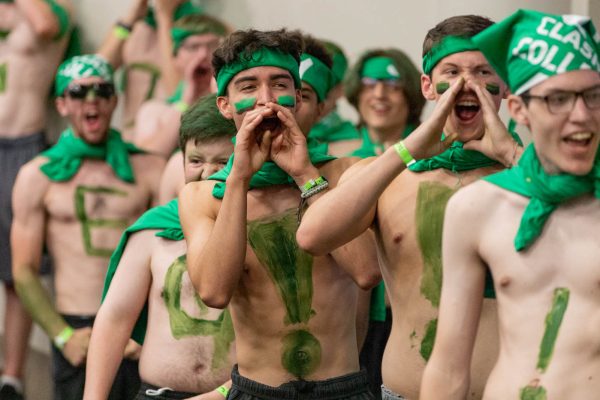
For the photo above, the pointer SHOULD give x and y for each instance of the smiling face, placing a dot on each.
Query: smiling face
(466, 118)
(565, 142)
(382, 105)
(89, 117)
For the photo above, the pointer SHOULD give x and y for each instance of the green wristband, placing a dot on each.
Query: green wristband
(223, 390)
(63, 337)
(121, 32)
(404, 154)
(181, 106)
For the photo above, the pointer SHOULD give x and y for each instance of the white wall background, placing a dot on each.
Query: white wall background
(354, 24)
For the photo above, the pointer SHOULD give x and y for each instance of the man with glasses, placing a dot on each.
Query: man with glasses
(76, 199)
(405, 208)
(535, 226)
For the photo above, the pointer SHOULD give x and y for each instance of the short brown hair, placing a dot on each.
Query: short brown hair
(460, 25)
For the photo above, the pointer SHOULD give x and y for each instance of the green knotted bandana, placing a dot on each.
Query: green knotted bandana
(67, 155)
(447, 46)
(184, 9)
(81, 67)
(369, 148)
(263, 57)
(179, 34)
(316, 74)
(269, 174)
(380, 68)
(546, 192)
(164, 218)
(340, 63)
(333, 128)
(530, 46)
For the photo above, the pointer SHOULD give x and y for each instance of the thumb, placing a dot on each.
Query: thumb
(265, 142)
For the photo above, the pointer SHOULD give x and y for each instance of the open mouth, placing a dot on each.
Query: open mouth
(92, 119)
(579, 139)
(466, 110)
(200, 71)
(272, 124)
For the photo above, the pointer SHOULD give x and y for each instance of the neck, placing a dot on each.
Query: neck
(386, 136)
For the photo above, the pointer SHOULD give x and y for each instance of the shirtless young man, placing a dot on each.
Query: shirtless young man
(406, 209)
(33, 38)
(534, 226)
(187, 347)
(133, 43)
(293, 315)
(76, 199)
(195, 37)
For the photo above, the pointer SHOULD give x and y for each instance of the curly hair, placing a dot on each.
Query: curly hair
(317, 49)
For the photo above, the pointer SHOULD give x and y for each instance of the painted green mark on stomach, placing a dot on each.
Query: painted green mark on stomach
(533, 393)
(553, 321)
(183, 325)
(432, 198)
(87, 223)
(3, 77)
(274, 243)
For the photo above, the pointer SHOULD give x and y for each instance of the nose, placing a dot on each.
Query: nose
(379, 89)
(208, 170)
(91, 95)
(264, 95)
(580, 111)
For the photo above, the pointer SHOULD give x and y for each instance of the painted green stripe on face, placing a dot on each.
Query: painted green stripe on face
(441, 87)
(3, 75)
(244, 105)
(553, 322)
(533, 393)
(286, 101)
(428, 339)
(183, 325)
(493, 88)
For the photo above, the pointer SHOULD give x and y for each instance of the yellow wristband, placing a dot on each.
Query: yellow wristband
(404, 154)
(181, 106)
(120, 32)
(223, 390)
(63, 337)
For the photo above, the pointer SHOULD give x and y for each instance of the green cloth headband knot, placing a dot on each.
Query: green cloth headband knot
(447, 46)
(546, 191)
(530, 46)
(263, 57)
(314, 72)
(183, 10)
(380, 68)
(179, 34)
(81, 67)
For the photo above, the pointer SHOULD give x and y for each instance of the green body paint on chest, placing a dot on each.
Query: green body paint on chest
(274, 243)
(3, 76)
(533, 393)
(87, 223)
(183, 325)
(553, 322)
(432, 198)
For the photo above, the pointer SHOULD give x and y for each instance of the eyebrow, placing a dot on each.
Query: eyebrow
(254, 78)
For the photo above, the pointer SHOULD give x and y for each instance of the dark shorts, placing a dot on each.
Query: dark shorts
(13, 154)
(69, 380)
(151, 392)
(371, 355)
(353, 386)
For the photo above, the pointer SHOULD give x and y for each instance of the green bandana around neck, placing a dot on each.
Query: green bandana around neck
(81, 67)
(530, 46)
(67, 155)
(314, 72)
(380, 68)
(179, 34)
(333, 128)
(184, 9)
(371, 149)
(269, 174)
(457, 159)
(164, 218)
(546, 192)
(447, 46)
(263, 57)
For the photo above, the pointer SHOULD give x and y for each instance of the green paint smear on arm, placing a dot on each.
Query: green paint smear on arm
(428, 339)
(286, 101)
(553, 322)
(290, 268)
(87, 224)
(183, 325)
(431, 205)
(245, 105)
(3, 73)
(533, 393)
(301, 353)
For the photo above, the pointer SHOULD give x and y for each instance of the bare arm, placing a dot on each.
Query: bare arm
(117, 315)
(44, 22)
(165, 10)
(447, 374)
(112, 46)
(172, 179)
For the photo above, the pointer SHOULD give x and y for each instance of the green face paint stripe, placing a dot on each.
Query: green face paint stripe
(428, 339)
(301, 353)
(441, 87)
(87, 224)
(286, 101)
(493, 88)
(431, 205)
(183, 325)
(245, 105)
(275, 246)
(533, 393)
(553, 322)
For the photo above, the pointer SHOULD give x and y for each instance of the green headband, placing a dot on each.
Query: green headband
(179, 34)
(529, 47)
(81, 67)
(263, 57)
(183, 10)
(340, 62)
(380, 68)
(314, 72)
(447, 46)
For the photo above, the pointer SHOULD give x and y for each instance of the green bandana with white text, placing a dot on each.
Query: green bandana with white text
(530, 46)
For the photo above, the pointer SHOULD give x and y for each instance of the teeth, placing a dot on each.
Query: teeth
(468, 103)
(580, 136)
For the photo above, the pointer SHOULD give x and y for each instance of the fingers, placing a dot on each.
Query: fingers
(446, 101)
(485, 98)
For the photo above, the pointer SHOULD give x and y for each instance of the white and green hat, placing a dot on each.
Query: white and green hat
(318, 75)
(81, 67)
(530, 46)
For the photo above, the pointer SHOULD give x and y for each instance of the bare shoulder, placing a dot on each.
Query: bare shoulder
(197, 198)
(31, 183)
(148, 164)
(476, 201)
(343, 166)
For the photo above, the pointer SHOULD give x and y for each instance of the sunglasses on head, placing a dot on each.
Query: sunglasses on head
(103, 90)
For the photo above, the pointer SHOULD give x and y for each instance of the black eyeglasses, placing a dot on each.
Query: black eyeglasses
(563, 102)
(103, 90)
